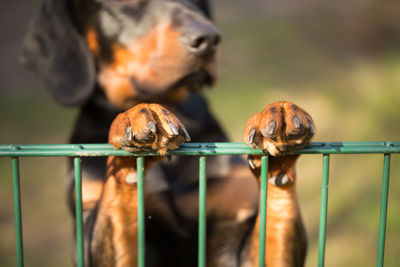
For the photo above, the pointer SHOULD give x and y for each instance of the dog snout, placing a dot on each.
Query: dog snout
(201, 39)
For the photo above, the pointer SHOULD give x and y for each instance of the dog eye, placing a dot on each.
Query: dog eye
(279, 180)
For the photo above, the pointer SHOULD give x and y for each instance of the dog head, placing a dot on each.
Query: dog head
(132, 49)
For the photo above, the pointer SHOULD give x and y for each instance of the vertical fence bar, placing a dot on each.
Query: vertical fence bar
(201, 261)
(324, 210)
(140, 212)
(263, 210)
(78, 212)
(383, 210)
(17, 211)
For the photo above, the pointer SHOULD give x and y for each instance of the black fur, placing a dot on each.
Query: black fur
(55, 50)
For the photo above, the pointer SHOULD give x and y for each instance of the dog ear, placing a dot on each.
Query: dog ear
(55, 51)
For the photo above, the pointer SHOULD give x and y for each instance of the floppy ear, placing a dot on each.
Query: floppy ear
(54, 50)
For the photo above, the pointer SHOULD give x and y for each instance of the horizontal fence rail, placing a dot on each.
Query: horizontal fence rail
(198, 149)
(193, 149)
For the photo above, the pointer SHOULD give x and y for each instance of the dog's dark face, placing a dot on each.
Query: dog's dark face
(143, 49)
(147, 48)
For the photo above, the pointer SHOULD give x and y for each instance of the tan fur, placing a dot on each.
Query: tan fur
(114, 240)
(138, 118)
(92, 42)
(91, 192)
(294, 128)
(284, 237)
(118, 212)
(282, 113)
(154, 60)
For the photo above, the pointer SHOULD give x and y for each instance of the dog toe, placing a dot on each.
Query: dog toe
(147, 127)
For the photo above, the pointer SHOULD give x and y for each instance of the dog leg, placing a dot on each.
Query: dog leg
(145, 127)
(280, 129)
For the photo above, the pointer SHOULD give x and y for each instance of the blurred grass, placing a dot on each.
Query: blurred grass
(32, 117)
(351, 97)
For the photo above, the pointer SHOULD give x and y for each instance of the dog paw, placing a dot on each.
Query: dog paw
(147, 127)
(282, 127)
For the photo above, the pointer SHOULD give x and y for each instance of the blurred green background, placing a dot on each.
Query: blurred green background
(338, 60)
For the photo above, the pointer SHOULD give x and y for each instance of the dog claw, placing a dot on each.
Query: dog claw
(270, 132)
(250, 138)
(185, 133)
(271, 127)
(251, 163)
(128, 133)
(152, 126)
(296, 122)
(173, 128)
(280, 180)
(311, 128)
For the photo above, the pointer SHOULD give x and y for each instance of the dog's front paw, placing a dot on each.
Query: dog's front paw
(147, 127)
(281, 127)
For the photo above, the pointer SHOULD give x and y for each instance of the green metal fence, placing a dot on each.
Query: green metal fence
(203, 150)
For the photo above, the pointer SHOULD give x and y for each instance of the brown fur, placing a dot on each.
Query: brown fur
(110, 56)
(154, 60)
(285, 240)
(115, 234)
(138, 119)
(286, 137)
(285, 235)
(92, 42)
(113, 243)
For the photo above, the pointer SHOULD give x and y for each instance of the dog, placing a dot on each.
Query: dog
(136, 69)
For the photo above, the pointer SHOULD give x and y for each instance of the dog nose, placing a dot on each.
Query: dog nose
(201, 39)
